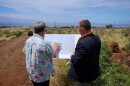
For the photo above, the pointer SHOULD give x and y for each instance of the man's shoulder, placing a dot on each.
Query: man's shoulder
(29, 39)
(85, 39)
(36, 40)
(90, 39)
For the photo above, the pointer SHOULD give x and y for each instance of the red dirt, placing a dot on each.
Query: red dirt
(12, 63)
(119, 55)
(114, 46)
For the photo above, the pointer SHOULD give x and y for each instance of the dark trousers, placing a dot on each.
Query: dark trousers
(46, 83)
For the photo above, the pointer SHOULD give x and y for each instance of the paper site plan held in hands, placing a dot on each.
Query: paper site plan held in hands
(65, 42)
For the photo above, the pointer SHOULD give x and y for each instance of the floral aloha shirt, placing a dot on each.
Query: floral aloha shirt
(38, 54)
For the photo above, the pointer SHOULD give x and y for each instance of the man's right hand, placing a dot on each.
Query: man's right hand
(56, 49)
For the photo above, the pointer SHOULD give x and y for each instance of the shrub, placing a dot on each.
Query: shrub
(128, 47)
(1, 35)
(9, 35)
(109, 26)
(126, 32)
(18, 33)
(5, 32)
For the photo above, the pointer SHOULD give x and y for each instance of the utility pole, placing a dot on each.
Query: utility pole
(114, 23)
(55, 24)
(29, 23)
(9, 23)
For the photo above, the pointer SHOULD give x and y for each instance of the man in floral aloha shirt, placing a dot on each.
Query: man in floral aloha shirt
(39, 54)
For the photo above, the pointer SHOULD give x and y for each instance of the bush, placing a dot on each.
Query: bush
(126, 32)
(18, 33)
(104, 56)
(128, 47)
(1, 35)
(9, 35)
(5, 32)
(109, 26)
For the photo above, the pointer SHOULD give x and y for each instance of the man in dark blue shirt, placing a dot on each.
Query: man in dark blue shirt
(85, 61)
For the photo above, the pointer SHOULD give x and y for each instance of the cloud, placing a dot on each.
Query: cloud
(19, 16)
(109, 3)
(54, 6)
(43, 6)
(60, 9)
(60, 6)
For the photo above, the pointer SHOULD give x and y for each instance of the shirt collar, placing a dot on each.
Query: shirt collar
(37, 35)
(83, 36)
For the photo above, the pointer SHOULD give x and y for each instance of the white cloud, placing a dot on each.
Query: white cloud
(49, 6)
(46, 9)
(108, 3)
(18, 16)
(54, 6)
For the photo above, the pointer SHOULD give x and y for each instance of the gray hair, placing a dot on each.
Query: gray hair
(85, 24)
(39, 27)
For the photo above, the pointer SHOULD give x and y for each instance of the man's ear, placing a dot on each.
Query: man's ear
(42, 33)
(81, 27)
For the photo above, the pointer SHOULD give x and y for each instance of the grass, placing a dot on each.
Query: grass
(62, 31)
(111, 75)
(9, 33)
(61, 79)
(114, 35)
(121, 36)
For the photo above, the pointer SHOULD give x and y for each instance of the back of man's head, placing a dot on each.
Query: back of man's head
(39, 27)
(85, 24)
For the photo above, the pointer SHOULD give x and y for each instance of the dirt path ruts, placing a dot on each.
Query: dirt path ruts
(12, 63)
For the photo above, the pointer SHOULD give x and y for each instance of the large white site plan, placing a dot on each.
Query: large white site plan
(66, 41)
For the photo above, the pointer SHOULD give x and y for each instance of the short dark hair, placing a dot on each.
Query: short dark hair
(39, 27)
(30, 33)
(85, 24)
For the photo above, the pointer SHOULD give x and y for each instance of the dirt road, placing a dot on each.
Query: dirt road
(12, 63)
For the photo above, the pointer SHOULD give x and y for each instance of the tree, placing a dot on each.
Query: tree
(109, 26)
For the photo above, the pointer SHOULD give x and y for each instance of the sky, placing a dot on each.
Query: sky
(65, 12)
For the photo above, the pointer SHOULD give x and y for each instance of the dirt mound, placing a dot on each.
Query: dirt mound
(119, 56)
(114, 46)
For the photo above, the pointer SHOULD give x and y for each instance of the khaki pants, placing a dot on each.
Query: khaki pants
(83, 84)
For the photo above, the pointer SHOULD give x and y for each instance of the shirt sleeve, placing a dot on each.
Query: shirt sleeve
(24, 48)
(79, 55)
(49, 50)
